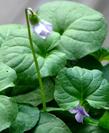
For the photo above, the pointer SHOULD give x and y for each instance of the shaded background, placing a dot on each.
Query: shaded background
(12, 11)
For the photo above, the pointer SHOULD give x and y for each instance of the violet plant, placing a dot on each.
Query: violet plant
(52, 78)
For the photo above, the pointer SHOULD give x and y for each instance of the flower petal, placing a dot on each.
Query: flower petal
(79, 118)
(80, 113)
(43, 29)
(83, 111)
(73, 111)
(47, 25)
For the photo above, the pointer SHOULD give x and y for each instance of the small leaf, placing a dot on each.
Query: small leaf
(51, 124)
(8, 112)
(7, 77)
(105, 71)
(34, 97)
(102, 54)
(82, 29)
(27, 116)
(76, 85)
(104, 121)
(92, 129)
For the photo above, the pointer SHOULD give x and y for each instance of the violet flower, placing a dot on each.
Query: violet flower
(80, 113)
(43, 29)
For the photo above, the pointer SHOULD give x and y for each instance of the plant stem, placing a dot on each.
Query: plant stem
(36, 62)
(50, 109)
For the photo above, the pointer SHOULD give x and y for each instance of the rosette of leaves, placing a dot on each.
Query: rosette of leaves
(77, 32)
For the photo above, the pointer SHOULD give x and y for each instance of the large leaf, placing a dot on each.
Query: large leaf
(27, 116)
(76, 85)
(82, 29)
(51, 124)
(34, 97)
(7, 77)
(15, 51)
(8, 112)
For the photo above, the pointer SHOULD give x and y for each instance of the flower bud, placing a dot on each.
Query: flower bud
(33, 19)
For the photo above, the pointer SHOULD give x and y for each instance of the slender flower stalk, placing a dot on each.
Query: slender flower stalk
(35, 59)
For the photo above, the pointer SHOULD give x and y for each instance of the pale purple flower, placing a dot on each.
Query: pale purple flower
(43, 29)
(80, 113)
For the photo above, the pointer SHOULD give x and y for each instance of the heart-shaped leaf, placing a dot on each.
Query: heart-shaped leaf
(27, 116)
(51, 124)
(7, 77)
(76, 85)
(8, 112)
(15, 51)
(82, 29)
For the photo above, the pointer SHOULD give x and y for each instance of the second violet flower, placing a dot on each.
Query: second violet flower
(80, 113)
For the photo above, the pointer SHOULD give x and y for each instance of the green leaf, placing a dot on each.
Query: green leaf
(15, 51)
(8, 112)
(92, 129)
(104, 121)
(105, 71)
(102, 54)
(76, 85)
(34, 97)
(7, 77)
(27, 116)
(51, 124)
(82, 29)
(16, 127)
